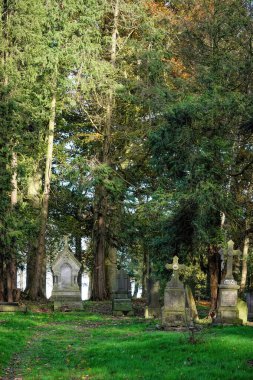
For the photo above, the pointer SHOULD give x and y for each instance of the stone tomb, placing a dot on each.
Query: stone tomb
(227, 311)
(174, 312)
(121, 299)
(66, 292)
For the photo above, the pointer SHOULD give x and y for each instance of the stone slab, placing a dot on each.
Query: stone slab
(13, 308)
(73, 305)
(122, 307)
(174, 298)
(173, 318)
(242, 310)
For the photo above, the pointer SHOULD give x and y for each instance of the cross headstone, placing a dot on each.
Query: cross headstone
(174, 312)
(227, 312)
(230, 253)
(175, 266)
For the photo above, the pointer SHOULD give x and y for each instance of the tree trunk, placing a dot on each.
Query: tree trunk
(214, 274)
(244, 263)
(37, 285)
(34, 196)
(111, 271)
(11, 265)
(136, 289)
(99, 285)
(99, 290)
(1, 278)
(145, 274)
(78, 254)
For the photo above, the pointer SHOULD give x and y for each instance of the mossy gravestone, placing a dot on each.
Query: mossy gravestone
(121, 302)
(66, 292)
(227, 311)
(153, 309)
(174, 311)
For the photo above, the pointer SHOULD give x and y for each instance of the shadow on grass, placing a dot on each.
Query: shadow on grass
(130, 352)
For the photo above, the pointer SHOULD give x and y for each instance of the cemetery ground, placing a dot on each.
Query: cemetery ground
(92, 344)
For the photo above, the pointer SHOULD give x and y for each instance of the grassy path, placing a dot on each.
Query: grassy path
(79, 346)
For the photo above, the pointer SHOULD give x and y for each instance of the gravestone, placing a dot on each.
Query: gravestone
(191, 309)
(249, 300)
(174, 309)
(153, 309)
(242, 310)
(121, 301)
(227, 312)
(66, 292)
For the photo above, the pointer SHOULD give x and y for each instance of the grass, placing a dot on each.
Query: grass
(89, 346)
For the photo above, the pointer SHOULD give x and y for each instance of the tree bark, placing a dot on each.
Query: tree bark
(99, 290)
(145, 274)
(214, 275)
(99, 285)
(11, 265)
(78, 254)
(1, 278)
(111, 271)
(34, 196)
(244, 263)
(37, 286)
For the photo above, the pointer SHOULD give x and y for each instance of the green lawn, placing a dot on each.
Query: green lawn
(88, 346)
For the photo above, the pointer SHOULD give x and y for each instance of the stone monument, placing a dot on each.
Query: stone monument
(249, 300)
(191, 309)
(121, 300)
(153, 309)
(174, 309)
(66, 292)
(227, 312)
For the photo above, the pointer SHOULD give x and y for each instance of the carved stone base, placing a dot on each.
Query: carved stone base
(12, 307)
(122, 307)
(228, 316)
(152, 312)
(227, 312)
(173, 318)
(68, 303)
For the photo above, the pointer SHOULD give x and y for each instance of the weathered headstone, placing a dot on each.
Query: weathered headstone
(174, 309)
(153, 309)
(121, 302)
(66, 292)
(242, 310)
(227, 312)
(249, 300)
(191, 309)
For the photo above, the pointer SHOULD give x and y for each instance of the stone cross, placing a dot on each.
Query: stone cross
(175, 266)
(66, 244)
(230, 254)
